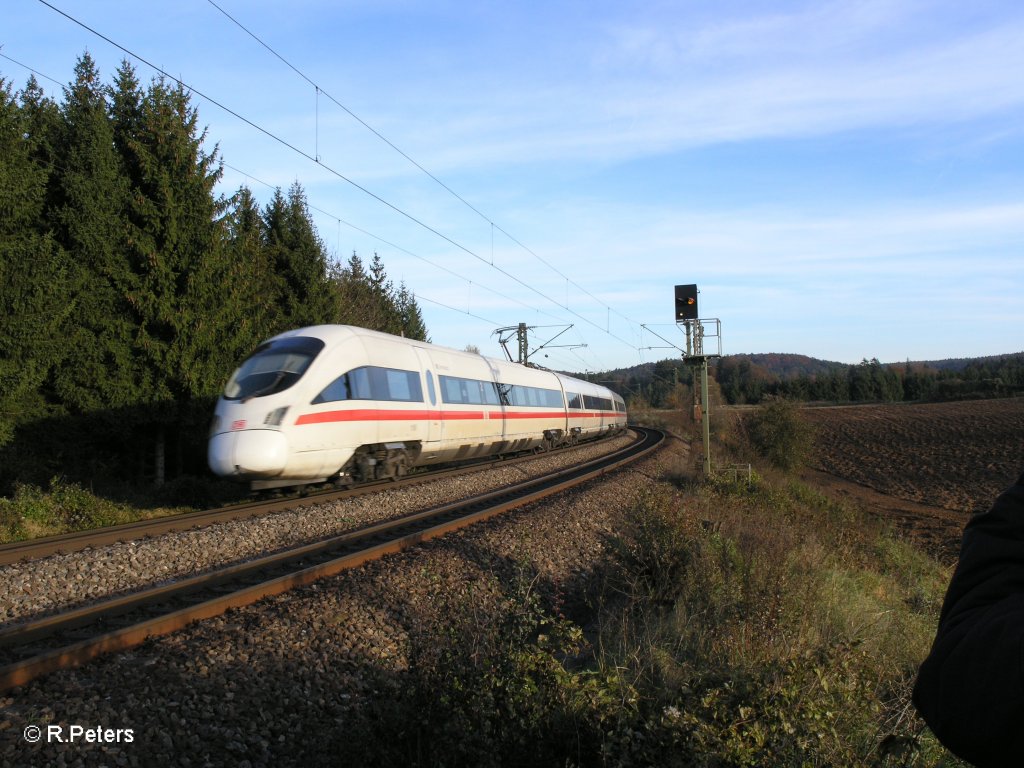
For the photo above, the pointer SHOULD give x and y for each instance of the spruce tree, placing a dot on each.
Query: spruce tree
(253, 310)
(177, 253)
(355, 295)
(300, 261)
(34, 273)
(174, 244)
(368, 299)
(383, 311)
(412, 324)
(98, 369)
(125, 98)
(41, 121)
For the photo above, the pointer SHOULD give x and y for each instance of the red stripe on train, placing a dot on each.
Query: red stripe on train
(370, 414)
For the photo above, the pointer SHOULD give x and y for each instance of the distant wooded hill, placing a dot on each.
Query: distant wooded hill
(748, 378)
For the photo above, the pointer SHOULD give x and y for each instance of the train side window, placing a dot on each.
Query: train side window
(574, 400)
(336, 390)
(430, 388)
(402, 385)
(372, 383)
(472, 391)
(378, 383)
(450, 390)
(359, 384)
(504, 394)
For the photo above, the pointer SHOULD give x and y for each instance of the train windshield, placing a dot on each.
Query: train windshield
(273, 367)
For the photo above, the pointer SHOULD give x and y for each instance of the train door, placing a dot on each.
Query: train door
(501, 410)
(432, 394)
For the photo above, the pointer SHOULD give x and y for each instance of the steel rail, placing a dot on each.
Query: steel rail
(75, 541)
(362, 545)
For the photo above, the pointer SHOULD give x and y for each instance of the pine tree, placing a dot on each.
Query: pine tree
(352, 286)
(252, 278)
(368, 299)
(41, 121)
(34, 273)
(175, 244)
(300, 260)
(87, 214)
(177, 253)
(413, 326)
(125, 99)
(382, 314)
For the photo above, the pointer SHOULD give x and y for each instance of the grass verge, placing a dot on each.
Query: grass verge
(65, 506)
(736, 625)
(789, 633)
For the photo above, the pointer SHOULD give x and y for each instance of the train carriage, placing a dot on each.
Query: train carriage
(345, 403)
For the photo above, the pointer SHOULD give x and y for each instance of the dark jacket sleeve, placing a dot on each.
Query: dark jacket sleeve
(970, 689)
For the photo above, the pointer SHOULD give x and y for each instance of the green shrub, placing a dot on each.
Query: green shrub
(792, 638)
(64, 507)
(486, 685)
(653, 547)
(779, 434)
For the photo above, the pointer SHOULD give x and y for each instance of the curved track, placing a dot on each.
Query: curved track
(78, 540)
(74, 637)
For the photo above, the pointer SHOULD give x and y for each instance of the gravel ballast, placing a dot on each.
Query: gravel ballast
(47, 585)
(266, 684)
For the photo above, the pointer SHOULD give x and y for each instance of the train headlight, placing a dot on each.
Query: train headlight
(275, 417)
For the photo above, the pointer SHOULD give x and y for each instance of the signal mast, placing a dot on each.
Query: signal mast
(697, 354)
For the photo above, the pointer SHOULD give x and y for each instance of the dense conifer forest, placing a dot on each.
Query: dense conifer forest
(129, 289)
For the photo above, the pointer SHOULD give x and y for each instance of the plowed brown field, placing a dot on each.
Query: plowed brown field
(928, 466)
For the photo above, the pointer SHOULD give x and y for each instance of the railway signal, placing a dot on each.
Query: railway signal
(686, 302)
(698, 332)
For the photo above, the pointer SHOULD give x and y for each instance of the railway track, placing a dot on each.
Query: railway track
(78, 540)
(74, 637)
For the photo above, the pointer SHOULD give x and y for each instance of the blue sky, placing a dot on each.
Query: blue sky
(841, 179)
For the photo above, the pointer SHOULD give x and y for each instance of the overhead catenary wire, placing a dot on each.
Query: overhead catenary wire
(266, 132)
(356, 117)
(420, 297)
(346, 223)
(333, 171)
(392, 145)
(397, 247)
(30, 69)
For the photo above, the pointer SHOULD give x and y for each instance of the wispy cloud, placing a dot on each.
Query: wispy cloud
(675, 82)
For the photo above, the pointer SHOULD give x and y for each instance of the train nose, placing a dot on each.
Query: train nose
(248, 453)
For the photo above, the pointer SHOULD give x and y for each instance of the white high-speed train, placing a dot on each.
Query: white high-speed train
(340, 403)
